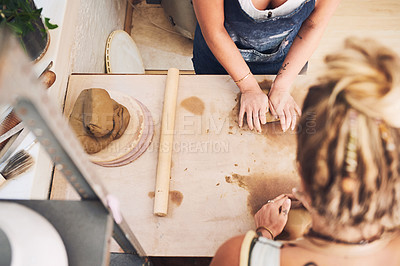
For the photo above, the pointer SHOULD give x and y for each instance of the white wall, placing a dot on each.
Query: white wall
(96, 20)
(78, 44)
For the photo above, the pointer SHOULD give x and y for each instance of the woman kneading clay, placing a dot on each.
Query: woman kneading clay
(245, 37)
(350, 171)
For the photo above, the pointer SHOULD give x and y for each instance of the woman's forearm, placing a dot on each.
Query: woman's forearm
(210, 15)
(305, 43)
(302, 48)
(226, 52)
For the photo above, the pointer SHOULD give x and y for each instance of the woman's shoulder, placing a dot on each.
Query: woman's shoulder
(302, 252)
(228, 254)
(247, 248)
(294, 252)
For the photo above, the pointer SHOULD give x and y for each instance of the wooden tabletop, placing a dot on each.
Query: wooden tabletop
(220, 174)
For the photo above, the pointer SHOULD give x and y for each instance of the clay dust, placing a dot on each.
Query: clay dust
(175, 196)
(262, 187)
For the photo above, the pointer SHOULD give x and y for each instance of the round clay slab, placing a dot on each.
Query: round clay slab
(141, 146)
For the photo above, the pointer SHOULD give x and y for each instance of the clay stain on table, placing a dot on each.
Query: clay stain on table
(174, 195)
(262, 188)
(194, 105)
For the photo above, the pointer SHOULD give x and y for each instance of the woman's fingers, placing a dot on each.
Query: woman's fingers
(294, 120)
(278, 203)
(285, 107)
(263, 117)
(254, 118)
(272, 109)
(263, 112)
(249, 119)
(256, 121)
(285, 207)
(281, 196)
(282, 118)
(293, 117)
(288, 118)
(300, 196)
(297, 108)
(254, 105)
(241, 115)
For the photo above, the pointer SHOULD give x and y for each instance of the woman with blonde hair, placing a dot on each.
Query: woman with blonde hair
(349, 166)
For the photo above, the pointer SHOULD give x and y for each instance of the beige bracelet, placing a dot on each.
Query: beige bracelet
(266, 228)
(245, 77)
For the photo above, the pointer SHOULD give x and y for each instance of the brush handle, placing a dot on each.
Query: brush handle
(11, 132)
(7, 123)
(12, 148)
(2, 180)
(27, 148)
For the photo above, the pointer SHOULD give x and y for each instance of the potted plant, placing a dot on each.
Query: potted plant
(25, 20)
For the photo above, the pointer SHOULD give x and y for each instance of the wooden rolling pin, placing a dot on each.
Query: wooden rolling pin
(166, 142)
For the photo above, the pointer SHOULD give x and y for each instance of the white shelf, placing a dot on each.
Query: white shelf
(35, 183)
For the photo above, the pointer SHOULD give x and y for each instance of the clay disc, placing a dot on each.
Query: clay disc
(142, 145)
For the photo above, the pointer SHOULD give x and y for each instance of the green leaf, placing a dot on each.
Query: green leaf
(16, 29)
(49, 25)
(38, 11)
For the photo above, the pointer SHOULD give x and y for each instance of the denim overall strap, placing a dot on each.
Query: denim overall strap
(263, 44)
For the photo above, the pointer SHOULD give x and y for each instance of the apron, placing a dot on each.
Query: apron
(263, 44)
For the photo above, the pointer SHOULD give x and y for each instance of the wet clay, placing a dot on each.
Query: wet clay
(175, 196)
(98, 112)
(194, 105)
(91, 134)
(262, 188)
(272, 129)
(298, 222)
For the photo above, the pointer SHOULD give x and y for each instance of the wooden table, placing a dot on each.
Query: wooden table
(220, 174)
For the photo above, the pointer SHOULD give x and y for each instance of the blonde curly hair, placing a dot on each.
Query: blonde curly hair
(348, 148)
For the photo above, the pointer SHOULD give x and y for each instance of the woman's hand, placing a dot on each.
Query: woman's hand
(282, 105)
(273, 215)
(255, 104)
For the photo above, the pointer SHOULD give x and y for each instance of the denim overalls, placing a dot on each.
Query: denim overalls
(263, 44)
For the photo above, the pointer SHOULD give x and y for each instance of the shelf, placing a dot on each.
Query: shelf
(35, 184)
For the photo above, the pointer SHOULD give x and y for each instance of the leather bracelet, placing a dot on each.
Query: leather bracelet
(245, 77)
(266, 228)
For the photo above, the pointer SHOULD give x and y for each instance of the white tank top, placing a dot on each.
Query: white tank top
(284, 9)
(265, 252)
